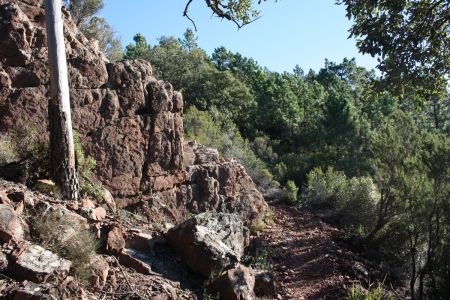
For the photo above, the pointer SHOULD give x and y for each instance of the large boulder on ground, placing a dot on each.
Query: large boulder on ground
(37, 264)
(209, 242)
(12, 227)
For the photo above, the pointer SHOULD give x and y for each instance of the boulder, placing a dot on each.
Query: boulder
(46, 186)
(4, 199)
(12, 227)
(134, 263)
(37, 264)
(109, 200)
(219, 185)
(100, 269)
(115, 241)
(264, 284)
(94, 214)
(29, 291)
(209, 242)
(235, 284)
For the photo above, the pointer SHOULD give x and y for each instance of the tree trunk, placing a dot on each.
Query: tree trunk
(62, 154)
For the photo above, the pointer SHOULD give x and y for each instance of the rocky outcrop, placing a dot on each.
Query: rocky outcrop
(37, 264)
(127, 120)
(209, 242)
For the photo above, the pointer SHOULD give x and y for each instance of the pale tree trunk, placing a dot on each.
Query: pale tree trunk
(62, 154)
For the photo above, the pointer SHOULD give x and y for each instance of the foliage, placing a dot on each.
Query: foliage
(208, 296)
(95, 28)
(98, 29)
(259, 258)
(82, 10)
(86, 167)
(68, 239)
(23, 144)
(357, 292)
(8, 152)
(351, 201)
(410, 37)
(290, 193)
(241, 12)
(139, 50)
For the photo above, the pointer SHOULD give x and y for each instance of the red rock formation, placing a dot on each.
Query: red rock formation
(129, 122)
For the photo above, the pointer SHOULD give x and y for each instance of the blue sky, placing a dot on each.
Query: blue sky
(289, 32)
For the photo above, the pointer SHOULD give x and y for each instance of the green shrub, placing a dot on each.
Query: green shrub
(86, 167)
(352, 201)
(357, 292)
(290, 193)
(68, 239)
(8, 151)
(258, 259)
(208, 296)
(23, 142)
(324, 187)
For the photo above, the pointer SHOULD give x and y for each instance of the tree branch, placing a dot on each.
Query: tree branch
(186, 14)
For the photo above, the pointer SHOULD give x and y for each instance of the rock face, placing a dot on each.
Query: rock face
(209, 242)
(128, 121)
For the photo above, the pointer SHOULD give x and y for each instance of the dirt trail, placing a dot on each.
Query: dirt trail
(309, 257)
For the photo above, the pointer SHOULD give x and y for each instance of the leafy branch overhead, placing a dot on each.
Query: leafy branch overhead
(241, 12)
(411, 38)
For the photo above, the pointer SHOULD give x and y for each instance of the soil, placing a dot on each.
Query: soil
(310, 258)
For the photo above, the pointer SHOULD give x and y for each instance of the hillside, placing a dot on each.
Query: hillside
(247, 184)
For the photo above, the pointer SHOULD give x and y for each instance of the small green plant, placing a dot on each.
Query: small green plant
(290, 193)
(208, 296)
(86, 167)
(259, 259)
(67, 238)
(8, 152)
(269, 219)
(257, 226)
(357, 292)
(23, 142)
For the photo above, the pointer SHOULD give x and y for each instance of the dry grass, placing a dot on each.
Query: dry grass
(68, 239)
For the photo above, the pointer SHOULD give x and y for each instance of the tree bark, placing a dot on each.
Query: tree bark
(62, 153)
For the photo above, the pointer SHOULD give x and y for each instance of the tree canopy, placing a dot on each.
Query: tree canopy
(410, 37)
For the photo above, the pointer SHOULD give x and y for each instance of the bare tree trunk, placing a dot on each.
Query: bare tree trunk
(62, 154)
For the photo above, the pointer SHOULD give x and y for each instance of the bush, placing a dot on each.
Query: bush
(324, 187)
(86, 166)
(357, 292)
(258, 259)
(21, 143)
(68, 239)
(350, 201)
(8, 151)
(290, 193)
